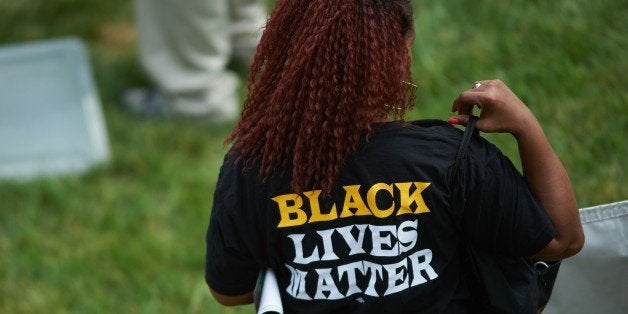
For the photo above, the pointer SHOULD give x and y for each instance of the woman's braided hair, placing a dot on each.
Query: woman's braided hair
(324, 73)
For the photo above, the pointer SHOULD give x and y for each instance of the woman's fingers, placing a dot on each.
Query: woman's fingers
(468, 99)
(459, 119)
(465, 102)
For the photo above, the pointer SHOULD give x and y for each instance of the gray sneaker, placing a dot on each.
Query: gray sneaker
(150, 103)
(145, 102)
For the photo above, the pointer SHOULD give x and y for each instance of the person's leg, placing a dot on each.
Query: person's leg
(248, 19)
(184, 48)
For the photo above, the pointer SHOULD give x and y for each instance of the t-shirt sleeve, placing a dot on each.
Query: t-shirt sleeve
(230, 269)
(502, 214)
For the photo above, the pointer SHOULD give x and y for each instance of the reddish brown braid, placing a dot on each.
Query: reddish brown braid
(325, 72)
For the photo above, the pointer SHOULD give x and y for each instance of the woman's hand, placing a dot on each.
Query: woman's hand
(501, 110)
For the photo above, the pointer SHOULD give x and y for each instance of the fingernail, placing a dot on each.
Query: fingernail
(453, 121)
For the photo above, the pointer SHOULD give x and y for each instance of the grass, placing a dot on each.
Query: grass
(129, 236)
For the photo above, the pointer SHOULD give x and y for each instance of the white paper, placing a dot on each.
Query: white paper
(596, 279)
(270, 301)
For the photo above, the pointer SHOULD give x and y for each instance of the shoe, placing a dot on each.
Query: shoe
(150, 103)
(145, 102)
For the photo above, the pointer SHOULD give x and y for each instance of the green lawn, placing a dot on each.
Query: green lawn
(129, 236)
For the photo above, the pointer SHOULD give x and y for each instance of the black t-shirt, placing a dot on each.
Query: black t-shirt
(383, 241)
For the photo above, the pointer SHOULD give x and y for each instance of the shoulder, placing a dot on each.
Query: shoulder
(236, 168)
(240, 186)
(418, 130)
(434, 126)
(231, 183)
(439, 136)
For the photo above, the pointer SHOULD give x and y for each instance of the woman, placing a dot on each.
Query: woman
(349, 205)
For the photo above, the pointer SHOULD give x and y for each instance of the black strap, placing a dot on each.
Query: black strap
(462, 149)
(455, 212)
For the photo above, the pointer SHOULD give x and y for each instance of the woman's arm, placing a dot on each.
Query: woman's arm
(228, 300)
(503, 111)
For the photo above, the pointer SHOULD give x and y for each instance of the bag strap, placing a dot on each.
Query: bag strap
(462, 148)
(457, 207)
(458, 191)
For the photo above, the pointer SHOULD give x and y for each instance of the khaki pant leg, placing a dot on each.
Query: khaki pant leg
(185, 47)
(248, 20)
